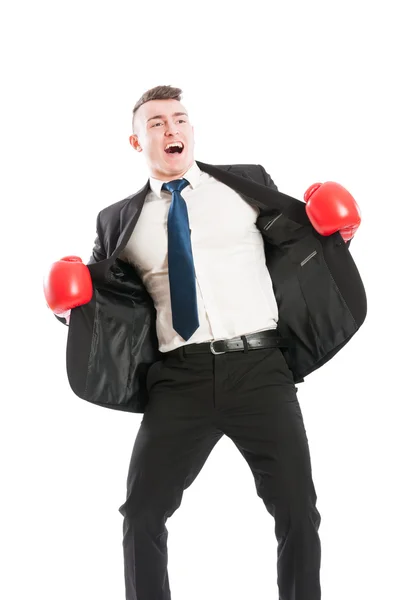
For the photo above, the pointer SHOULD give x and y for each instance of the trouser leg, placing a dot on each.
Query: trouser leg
(173, 442)
(262, 416)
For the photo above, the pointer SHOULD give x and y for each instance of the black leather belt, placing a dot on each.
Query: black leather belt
(269, 338)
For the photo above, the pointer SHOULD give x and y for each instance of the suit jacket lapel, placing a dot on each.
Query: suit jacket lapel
(129, 215)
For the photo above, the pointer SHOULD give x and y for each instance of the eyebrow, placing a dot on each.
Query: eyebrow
(176, 114)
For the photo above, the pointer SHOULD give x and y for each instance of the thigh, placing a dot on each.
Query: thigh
(266, 424)
(173, 442)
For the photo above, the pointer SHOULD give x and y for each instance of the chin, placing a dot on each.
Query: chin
(179, 166)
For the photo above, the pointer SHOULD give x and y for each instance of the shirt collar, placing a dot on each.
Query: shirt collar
(192, 175)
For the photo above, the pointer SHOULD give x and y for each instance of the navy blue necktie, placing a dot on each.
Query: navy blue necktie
(181, 268)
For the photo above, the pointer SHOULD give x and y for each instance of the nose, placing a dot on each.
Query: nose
(171, 129)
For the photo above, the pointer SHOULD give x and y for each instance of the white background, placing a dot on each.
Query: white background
(307, 90)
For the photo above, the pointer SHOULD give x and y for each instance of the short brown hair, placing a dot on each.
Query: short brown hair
(160, 92)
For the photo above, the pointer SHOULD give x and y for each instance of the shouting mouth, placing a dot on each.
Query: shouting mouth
(174, 148)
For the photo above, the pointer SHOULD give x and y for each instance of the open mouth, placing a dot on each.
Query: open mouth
(174, 148)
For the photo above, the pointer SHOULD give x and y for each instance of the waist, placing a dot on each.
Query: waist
(270, 338)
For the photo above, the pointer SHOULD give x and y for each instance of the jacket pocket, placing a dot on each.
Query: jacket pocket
(329, 316)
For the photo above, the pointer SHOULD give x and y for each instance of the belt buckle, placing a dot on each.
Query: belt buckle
(212, 348)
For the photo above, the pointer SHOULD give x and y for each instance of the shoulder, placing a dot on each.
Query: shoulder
(112, 212)
(114, 208)
(255, 172)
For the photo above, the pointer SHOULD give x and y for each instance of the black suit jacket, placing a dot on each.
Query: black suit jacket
(112, 340)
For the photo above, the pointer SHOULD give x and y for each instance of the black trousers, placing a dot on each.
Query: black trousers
(194, 400)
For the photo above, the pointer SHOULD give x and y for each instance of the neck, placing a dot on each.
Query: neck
(169, 176)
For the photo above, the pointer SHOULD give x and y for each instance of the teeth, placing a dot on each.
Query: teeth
(177, 144)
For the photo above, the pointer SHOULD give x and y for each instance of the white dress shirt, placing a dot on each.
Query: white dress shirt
(233, 286)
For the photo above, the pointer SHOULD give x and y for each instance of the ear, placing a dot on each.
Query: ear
(133, 139)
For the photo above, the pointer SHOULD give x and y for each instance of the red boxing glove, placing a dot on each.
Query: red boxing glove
(330, 208)
(67, 285)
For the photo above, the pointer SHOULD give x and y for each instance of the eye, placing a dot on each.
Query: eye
(182, 120)
(156, 124)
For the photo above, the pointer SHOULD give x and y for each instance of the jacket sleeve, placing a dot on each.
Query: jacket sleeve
(267, 179)
(98, 253)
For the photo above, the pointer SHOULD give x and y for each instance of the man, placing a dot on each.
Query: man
(208, 296)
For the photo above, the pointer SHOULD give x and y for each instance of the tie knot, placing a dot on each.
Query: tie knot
(176, 185)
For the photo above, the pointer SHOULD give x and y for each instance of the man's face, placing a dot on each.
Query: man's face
(159, 123)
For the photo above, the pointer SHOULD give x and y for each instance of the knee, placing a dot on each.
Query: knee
(135, 510)
(304, 514)
(144, 510)
(140, 521)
